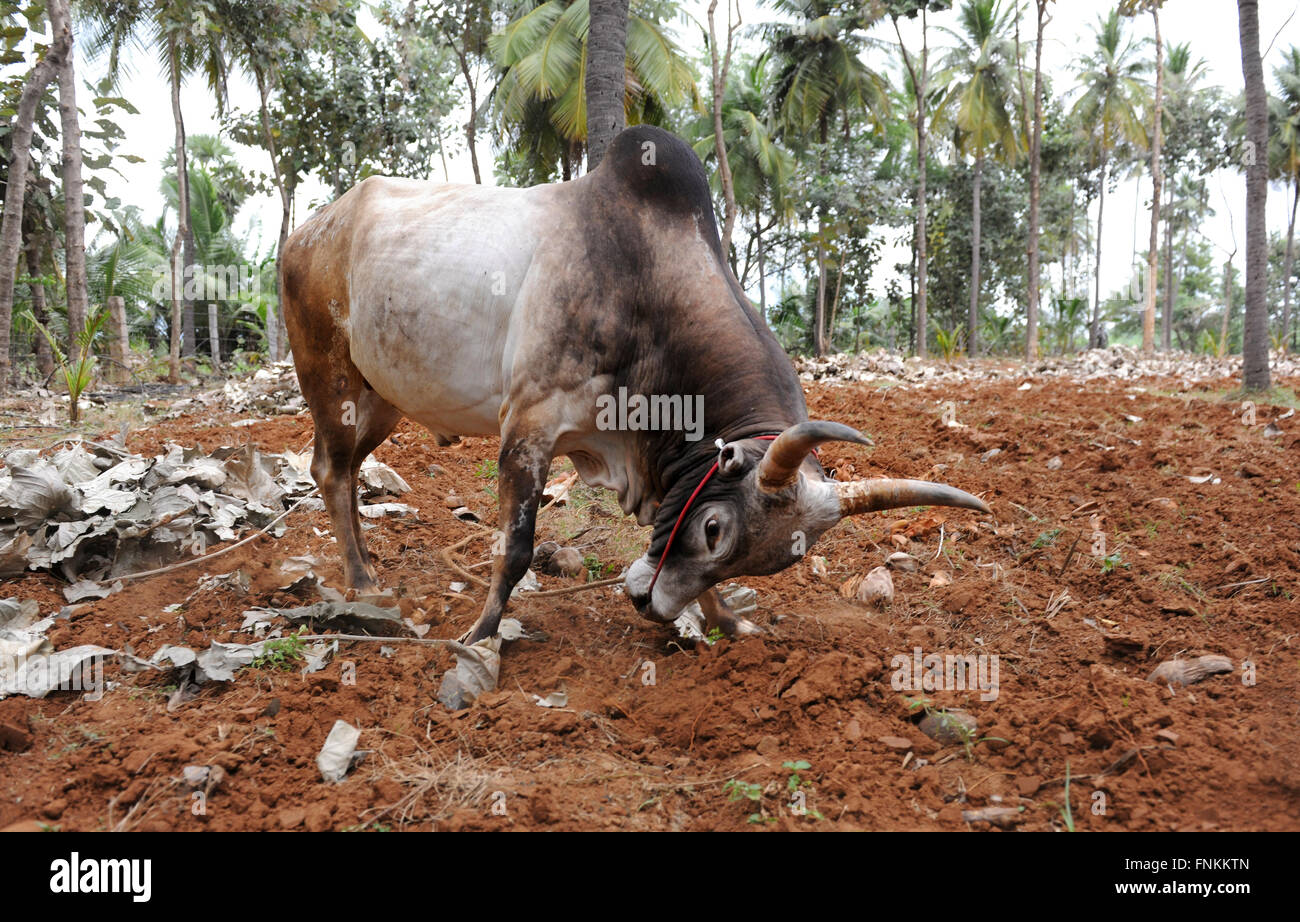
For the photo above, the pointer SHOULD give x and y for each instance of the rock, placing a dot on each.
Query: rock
(990, 455)
(1055, 464)
(877, 588)
(14, 738)
(1168, 736)
(1250, 470)
(903, 562)
(853, 730)
(768, 747)
(1163, 502)
(567, 561)
(318, 818)
(291, 817)
(542, 554)
(1028, 785)
(940, 579)
(25, 826)
(949, 727)
(818, 566)
(1187, 672)
(54, 809)
(1005, 817)
(1122, 646)
(898, 743)
(453, 501)
(136, 761)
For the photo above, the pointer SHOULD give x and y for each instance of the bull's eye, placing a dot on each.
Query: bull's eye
(711, 531)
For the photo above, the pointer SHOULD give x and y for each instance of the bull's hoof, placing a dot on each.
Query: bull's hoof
(741, 627)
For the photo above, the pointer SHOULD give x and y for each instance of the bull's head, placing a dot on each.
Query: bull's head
(762, 509)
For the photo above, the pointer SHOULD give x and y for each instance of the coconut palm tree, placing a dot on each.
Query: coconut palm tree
(541, 98)
(604, 78)
(185, 40)
(1184, 100)
(1107, 111)
(1284, 162)
(1254, 346)
(21, 130)
(977, 111)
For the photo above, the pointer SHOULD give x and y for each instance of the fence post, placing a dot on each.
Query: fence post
(119, 340)
(214, 335)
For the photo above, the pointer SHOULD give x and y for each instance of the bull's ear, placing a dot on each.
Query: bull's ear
(779, 468)
(731, 459)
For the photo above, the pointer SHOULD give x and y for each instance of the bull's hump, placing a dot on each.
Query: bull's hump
(658, 168)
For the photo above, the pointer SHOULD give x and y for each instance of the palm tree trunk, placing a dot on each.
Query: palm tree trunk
(1288, 266)
(1153, 251)
(835, 305)
(471, 127)
(972, 321)
(1254, 365)
(606, 78)
(1035, 190)
(1227, 307)
(74, 201)
(1171, 284)
(1094, 330)
(720, 66)
(11, 227)
(762, 272)
(919, 78)
(183, 219)
(274, 341)
(819, 316)
(44, 358)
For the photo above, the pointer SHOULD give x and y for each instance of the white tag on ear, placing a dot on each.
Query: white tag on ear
(721, 444)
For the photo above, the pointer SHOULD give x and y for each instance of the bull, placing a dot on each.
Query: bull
(519, 312)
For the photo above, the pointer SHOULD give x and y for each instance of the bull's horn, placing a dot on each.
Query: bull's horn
(780, 465)
(858, 496)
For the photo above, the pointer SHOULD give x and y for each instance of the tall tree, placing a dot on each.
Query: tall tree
(1192, 139)
(20, 144)
(760, 167)
(1035, 186)
(466, 25)
(1284, 163)
(74, 199)
(605, 77)
(1133, 8)
(918, 72)
(1254, 371)
(720, 60)
(977, 108)
(1107, 114)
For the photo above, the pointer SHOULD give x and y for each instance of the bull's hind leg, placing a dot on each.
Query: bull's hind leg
(351, 421)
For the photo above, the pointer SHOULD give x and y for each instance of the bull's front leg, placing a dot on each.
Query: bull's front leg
(521, 477)
(718, 614)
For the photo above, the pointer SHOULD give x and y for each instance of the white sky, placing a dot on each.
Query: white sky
(1210, 26)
